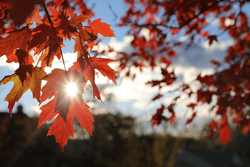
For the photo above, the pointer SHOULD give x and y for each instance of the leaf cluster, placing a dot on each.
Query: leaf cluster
(33, 37)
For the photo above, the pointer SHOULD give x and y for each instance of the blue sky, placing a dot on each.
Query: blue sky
(133, 98)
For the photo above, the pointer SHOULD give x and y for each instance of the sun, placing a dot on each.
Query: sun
(71, 89)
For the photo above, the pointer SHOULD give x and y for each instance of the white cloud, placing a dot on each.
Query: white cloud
(145, 32)
(69, 59)
(35, 110)
(183, 38)
(213, 21)
(11, 66)
(229, 22)
(187, 65)
(220, 45)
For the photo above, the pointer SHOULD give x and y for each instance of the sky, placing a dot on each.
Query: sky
(133, 98)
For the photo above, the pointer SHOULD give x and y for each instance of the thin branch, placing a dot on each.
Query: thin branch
(51, 24)
(181, 26)
(47, 13)
(112, 11)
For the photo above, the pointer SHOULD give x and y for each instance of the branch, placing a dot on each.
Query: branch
(181, 26)
(51, 24)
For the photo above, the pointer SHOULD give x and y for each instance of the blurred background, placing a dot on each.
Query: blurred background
(117, 140)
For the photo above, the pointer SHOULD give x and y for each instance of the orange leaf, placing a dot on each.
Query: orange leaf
(102, 66)
(102, 28)
(58, 2)
(88, 70)
(67, 107)
(76, 20)
(54, 80)
(61, 130)
(16, 92)
(80, 111)
(16, 39)
(225, 134)
(35, 16)
(35, 82)
(63, 127)
(47, 113)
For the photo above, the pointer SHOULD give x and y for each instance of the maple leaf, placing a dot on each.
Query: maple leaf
(34, 17)
(192, 105)
(15, 39)
(23, 79)
(62, 127)
(57, 82)
(53, 48)
(88, 70)
(47, 113)
(66, 106)
(58, 79)
(158, 117)
(31, 81)
(225, 134)
(157, 97)
(61, 130)
(76, 20)
(35, 82)
(58, 2)
(191, 119)
(40, 35)
(207, 79)
(55, 78)
(213, 124)
(25, 64)
(20, 10)
(102, 28)
(212, 38)
(170, 109)
(44, 38)
(16, 92)
(85, 34)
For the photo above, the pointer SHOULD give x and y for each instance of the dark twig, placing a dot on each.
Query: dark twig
(51, 24)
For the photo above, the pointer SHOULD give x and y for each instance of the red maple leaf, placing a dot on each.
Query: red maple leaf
(170, 109)
(212, 38)
(191, 119)
(63, 128)
(158, 117)
(101, 28)
(192, 105)
(15, 39)
(157, 97)
(58, 2)
(88, 70)
(225, 134)
(213, 124)
(66, 106)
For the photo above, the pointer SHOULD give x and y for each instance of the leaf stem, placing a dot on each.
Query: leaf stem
(51, 24)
